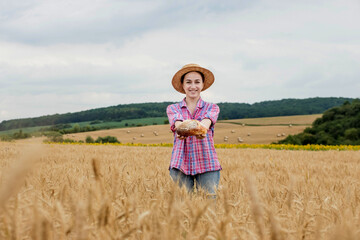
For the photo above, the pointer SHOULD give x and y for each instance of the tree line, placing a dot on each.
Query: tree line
(284, 107)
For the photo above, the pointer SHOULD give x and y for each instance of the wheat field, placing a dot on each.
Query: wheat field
(119, 192)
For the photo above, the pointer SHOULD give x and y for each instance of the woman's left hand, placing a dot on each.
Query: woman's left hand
(206, 124)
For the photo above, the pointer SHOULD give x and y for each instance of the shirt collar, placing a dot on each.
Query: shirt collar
(200, 103)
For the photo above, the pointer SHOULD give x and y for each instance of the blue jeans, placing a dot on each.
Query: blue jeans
(209, 181)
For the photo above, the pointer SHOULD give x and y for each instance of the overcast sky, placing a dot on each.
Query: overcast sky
(66, 56)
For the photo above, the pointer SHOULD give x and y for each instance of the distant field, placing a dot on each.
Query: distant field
(109, 125)
(268, 133)
(249, 134)
(286, 120)
(25, 130)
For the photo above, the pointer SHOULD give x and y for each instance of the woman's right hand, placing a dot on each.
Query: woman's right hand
(177, 123)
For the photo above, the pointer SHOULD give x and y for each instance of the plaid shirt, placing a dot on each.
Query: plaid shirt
(192, 155)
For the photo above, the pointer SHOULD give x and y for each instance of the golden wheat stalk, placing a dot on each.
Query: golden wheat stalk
(62, 216)
(256, 206)
(16, 176)
(290, 193)
(96, 168)
(274, 228)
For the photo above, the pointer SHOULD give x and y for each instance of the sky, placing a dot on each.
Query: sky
(67, 56)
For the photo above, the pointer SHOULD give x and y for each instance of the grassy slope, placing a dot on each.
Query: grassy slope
(25, 130)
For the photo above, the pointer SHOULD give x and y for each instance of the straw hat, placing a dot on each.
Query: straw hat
(192, 67)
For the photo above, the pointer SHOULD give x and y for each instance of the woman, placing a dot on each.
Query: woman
(194, 158)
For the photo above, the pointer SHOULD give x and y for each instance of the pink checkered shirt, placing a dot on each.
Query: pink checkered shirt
(193, 156)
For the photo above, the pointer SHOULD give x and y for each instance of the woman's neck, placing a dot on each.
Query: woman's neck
(191, 101)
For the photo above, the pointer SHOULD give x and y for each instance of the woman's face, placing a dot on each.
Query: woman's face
(193, 84)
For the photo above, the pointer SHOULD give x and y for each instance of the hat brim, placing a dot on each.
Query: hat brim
(208, 77)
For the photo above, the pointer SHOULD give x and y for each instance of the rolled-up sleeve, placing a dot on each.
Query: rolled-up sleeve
(174, 114)
(212, 113)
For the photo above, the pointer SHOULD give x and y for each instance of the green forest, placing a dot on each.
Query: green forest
(338, 125)
(285, 107)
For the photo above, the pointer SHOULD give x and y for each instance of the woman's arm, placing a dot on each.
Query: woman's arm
(212, 114)
(210, 118)
(174, 115)
(175, 119)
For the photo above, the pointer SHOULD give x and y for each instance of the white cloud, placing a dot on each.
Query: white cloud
(4, 114)
(60, 57)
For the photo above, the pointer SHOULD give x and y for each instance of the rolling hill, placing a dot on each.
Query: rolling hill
(285, 107)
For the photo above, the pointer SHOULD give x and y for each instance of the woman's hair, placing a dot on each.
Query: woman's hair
(202, 76)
